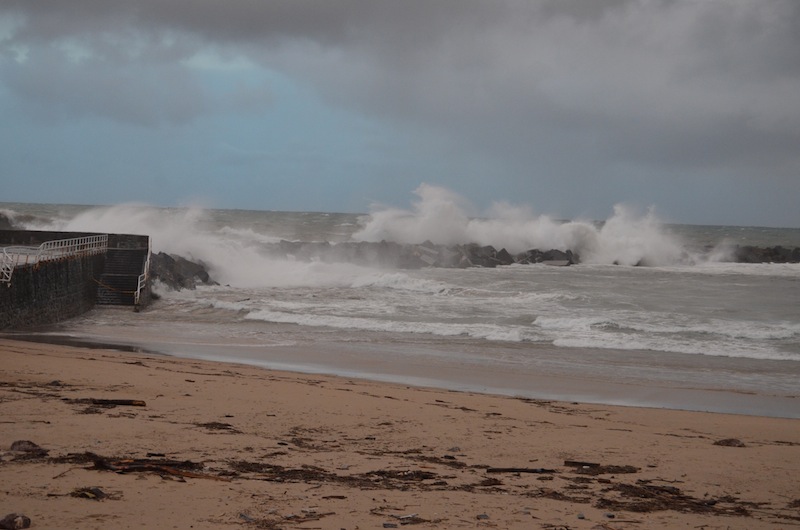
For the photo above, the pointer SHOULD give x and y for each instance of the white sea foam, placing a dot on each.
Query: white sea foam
(671, 333)
(710, 267)
(441, 216)
(233, 255)
(482, 331)
(717, 349)
(585, 332)
(247, 235)
(401, 281)
(674, 323)
(175, 230)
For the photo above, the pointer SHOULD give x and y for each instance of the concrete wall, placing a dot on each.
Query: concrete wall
(126, 241)
(50, 292)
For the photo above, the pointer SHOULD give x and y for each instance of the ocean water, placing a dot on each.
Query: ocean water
(689, 330)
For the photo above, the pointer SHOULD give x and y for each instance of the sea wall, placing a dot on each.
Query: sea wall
(55, 290)
(49, 292)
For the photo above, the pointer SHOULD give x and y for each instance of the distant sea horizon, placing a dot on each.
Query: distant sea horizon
(203, 206)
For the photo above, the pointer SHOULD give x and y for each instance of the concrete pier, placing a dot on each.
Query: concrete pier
(42, 292)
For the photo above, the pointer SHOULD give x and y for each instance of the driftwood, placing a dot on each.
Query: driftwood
(519, 470)
(108, 403)
(577, 463)
(117, 402)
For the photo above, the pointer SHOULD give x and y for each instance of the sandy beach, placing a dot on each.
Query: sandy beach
(126, 440)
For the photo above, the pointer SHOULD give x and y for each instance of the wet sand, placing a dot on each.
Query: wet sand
(131, 440)
(629, 377)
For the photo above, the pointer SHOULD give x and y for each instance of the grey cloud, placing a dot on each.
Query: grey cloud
(570, 84)
(139, 94)
(683, 84)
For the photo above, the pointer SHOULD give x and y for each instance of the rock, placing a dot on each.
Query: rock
(178, 272)
(730, 442)
(24, 445)
(29, 448)
(504, 257)
(777, 254)
(92, 493)
(481, 256)
(555, 255)
(530, 256)
(559, 258)
(407, 256)
(14, 521)
(428, 254)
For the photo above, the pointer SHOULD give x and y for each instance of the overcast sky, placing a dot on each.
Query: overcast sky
(565, 106)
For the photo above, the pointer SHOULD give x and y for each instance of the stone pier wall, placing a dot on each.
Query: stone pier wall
(50, 292)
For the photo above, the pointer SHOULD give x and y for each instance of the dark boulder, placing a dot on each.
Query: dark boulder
(504, 257)
(555, 255)
(27, 450)
(551, 256)
(530, 256)
(15, 521)
(177, 272)
(481, 256)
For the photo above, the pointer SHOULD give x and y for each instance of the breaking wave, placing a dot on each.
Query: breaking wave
(239, 250)
(440, 216)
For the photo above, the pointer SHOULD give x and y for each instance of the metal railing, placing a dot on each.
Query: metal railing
(11, 258)
(77, 246)
(143, 277)
(7, 265)
(18, 256)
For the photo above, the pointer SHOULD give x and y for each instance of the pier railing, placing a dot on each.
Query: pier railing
(18, 256)
(142, 283)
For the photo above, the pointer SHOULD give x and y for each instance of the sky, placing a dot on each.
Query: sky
(567, 107)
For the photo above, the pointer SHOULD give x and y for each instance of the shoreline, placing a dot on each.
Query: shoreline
(387, 363)
(217, 443)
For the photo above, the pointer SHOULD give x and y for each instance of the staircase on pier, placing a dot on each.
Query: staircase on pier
(120, 278)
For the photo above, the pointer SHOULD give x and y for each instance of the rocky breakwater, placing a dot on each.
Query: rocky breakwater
(778, 254)
(177, 272)
(427, 254)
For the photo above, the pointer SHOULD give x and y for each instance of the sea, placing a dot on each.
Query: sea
(690, 329)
